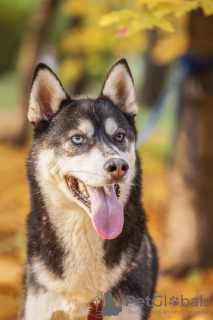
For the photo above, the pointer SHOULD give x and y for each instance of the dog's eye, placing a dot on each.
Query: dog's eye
(119, 136)
(77, 139)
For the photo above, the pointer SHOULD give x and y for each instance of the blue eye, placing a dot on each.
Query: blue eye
(77, 139)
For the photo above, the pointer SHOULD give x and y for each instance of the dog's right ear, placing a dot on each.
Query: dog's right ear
(46, 94)
(119, 87)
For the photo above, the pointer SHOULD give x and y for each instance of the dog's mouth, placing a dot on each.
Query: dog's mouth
(79, 190)
(106, 211)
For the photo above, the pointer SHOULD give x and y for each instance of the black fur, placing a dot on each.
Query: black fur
(42, 239)
(134, 240)
(134, 227)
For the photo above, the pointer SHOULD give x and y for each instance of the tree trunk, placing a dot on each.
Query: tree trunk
(191, 204)
(28, 58)
(154, 74)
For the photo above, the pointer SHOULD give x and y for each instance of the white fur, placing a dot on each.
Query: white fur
(86, 274)
(110, 126)
(45, 80)
(87, 128)
(119, 76)
(88, 168)
(41, 306)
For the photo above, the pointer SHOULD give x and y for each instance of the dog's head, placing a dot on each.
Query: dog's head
(84, 148)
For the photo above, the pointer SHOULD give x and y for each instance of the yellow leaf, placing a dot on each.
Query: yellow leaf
(207, 6)
(142, 22)
(70, 70)
(151, 4)
(109, 19)
(164, 24)
(163, 9)
(184, 7)
(9, 306)
(170, 47)
(10, 271)
(76, 8)
(117, 16)
(150, 20)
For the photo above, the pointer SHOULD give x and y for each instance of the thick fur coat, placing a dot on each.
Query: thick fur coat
(87, 225)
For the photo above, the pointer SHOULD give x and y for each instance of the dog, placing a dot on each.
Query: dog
(87, 229)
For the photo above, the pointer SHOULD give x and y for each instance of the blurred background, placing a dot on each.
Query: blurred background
(169, 47)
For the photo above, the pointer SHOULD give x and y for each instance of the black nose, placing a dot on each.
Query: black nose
(116, 167)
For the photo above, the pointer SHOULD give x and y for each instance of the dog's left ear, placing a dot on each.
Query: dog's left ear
(46, 95)
(119, 87)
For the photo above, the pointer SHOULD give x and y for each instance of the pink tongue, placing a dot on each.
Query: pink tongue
(106, 212)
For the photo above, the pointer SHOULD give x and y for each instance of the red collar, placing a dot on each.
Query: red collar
(128, 270)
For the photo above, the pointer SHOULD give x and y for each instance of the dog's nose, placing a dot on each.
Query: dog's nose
(116, 167)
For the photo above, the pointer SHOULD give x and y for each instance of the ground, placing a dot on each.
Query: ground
(14, 206)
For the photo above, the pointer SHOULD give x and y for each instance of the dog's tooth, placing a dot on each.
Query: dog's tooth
(85, 193)
(81, 186)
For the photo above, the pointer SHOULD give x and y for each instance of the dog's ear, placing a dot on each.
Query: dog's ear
(119, 87)
(46, 94)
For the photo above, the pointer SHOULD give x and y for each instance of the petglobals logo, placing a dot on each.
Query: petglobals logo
(103, 304)
(160, 301)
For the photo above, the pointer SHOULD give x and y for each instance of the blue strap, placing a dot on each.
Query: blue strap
(168, 94)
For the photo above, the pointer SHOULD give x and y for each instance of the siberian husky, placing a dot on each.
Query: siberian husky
(87, 229)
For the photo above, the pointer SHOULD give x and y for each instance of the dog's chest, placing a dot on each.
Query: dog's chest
(85, 273)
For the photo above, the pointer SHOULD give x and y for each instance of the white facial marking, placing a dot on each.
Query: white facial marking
(87, 128)
(110, 126)
(88, 168)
